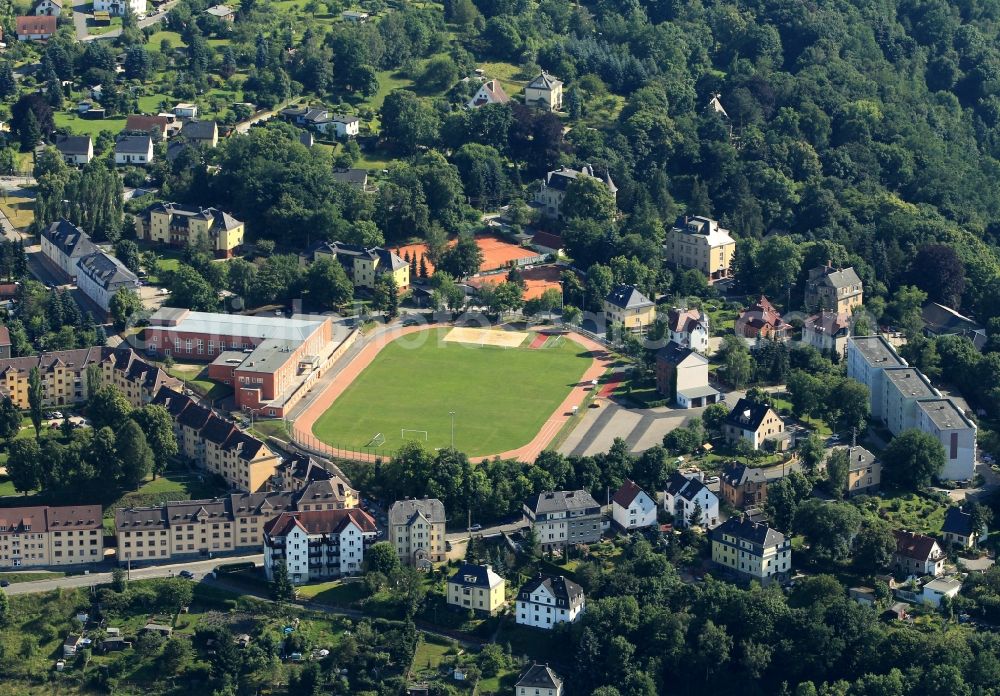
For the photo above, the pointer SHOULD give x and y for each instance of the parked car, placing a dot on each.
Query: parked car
(186, 574)
(475, 528)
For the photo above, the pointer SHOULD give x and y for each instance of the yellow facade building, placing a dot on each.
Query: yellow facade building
(626, 306)
(180, 225)
(751, 550)
(416, 529)
(699, 243)
(477, 587)
(364, 265)
(51, 536)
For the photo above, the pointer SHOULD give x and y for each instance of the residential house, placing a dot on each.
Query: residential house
(416, 529)
(562, 518)
(546, 601)
(341, 126)
(944, 321)
(762, 321)
(544, 92)
(64, 244)
(957, 529)
(101, 276)
(742, 486)
(917, 554)
(632, 508)
(553, 189)
(539, 680)
(490, 92)
(221, 12)
(48, 8)
(699, 243)
(5, 343)
(756, 423)
(628, 307)
(181, 225)
(73, 642)
(827, 332)
(864, 473)
(322, 487)
(682, 377)
(201, 133)
(838, 290)
(354, 17)
(688, 499)
(364, 265)
(134, 150)
(318, 544)
(75, 149)
(35, 28)
(477, 588)
(161, 126)
(689, 328)
(137, 380)
(751, 550)
(184, 109)
(937, 589)
(307, 116)
(40, 535)
(355, 178)
(116, 8)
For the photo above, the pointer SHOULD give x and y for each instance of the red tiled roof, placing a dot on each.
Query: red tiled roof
(319, 522)
(42, 24)
(627, 493)
(913, 545)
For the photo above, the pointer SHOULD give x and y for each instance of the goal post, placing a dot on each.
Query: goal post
(414, 434)
(377, 440)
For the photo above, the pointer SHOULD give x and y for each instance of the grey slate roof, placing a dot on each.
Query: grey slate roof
(106, 270)
(628, 297)
(743, 527)
(69, 239)
(472, 575)
(73, 144)
(544, 81)
(403, 511)
(738, 474)
(747, 415)
(841, 278)
(680, 485)
(675, 354)
(200, 130)
(559, 587)
(957, 521)
(539, 677)
(561, 501)
(354, 177)
(133, 144)
(860, 458)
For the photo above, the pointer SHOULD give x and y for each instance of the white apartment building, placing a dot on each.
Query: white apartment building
(318, 543)
(632, 508)
(544, 602)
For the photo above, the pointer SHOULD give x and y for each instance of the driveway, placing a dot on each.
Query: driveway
(80, 18)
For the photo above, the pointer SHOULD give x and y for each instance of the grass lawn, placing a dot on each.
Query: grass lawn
(501, 397)
(20, 210)
(193, 378)
(334, 593)
(82, 126)
(431, 652)
(271, 428)
(30, 577)
(156, 39)
(388, 80)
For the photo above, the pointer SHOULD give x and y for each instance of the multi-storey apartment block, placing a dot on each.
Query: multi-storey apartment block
(416, 529)
(51, 536)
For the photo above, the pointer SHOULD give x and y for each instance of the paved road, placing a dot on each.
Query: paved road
(199, 568)
(80, 17)
(244, 126)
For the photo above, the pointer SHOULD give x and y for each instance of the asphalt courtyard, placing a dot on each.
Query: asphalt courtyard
(641, 428)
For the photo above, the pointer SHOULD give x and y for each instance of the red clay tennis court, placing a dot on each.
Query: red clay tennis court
(536, 280)
(497, 253)
(538, 341)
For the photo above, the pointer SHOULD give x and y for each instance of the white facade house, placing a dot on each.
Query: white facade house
(868, 357)
(48, 8)
(134, 149)
(116, 8)
(100, 275)
(632, 508)
(689, 328)
(943, 419)
(318, 543)
(75, 149)
(185, 110)
(546, 601)
(917, 554)
(64, 244)
(685, 495)
(490, 92)
(564, 518)
(340, 125)
(939, 588)
(539, 680)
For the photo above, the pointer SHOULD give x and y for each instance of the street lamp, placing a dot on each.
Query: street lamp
(452, 414)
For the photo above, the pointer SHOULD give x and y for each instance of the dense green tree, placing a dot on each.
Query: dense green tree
(327, 283)
(874, 546)
(828, 528)
(912, 459)
(124, 305)
(35, 397)
(135, 455)
(282, 589)
(189, 288)
(24, 465)
(157, 425)
(10, 419)
(382, 558)
(463, 259)
(108, 407)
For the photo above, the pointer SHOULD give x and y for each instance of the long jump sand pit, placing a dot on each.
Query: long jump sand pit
(486, 337)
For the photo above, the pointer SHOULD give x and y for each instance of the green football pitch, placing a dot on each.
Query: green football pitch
(501, 397)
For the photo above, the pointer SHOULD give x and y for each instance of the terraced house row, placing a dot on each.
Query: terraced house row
(227, 524)
(51, 536)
